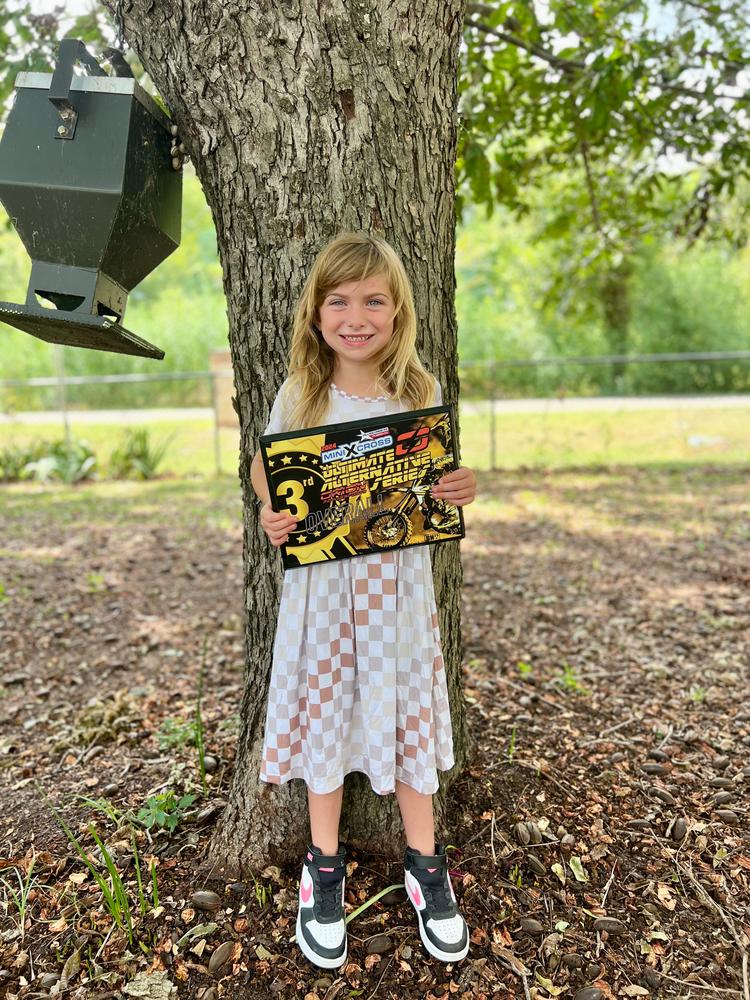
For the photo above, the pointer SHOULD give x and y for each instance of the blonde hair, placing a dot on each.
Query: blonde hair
(353, 256)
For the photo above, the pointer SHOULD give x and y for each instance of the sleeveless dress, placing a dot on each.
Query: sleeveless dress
(358, 681)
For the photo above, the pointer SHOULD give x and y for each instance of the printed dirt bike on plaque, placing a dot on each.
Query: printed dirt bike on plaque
(364, 486)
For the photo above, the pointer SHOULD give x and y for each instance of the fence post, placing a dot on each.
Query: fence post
(493, 454)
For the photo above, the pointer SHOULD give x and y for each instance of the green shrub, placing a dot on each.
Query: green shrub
(177, 733)
(137, 457)
(164, 810)
(14, 460)
(69, 461)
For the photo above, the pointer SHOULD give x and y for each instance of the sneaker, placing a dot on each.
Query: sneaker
(442, 928)
(321, 925)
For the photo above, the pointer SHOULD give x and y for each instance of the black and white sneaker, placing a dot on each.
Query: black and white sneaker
(321, 923)
(442, 928)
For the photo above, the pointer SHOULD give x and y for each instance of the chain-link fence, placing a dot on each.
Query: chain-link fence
(484, 392)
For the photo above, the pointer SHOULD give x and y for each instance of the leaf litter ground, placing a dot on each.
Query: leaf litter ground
(600, 826)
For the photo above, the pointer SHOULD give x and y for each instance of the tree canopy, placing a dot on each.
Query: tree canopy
(642, 105)
(644, 102)
(611, 125)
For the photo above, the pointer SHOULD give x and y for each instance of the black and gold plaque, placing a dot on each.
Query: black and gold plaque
(364, 486)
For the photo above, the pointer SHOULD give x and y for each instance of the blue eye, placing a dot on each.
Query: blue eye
(335, 302)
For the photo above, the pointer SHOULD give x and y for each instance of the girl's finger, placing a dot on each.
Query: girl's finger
(458, 497)
(446, 492)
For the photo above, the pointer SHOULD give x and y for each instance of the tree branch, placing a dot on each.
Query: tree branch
(591, 188)
(568, 65)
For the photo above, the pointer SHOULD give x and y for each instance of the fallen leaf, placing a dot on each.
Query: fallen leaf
(70, 969)
(577, 868)
(665, 895)
(199, 947)
(478, 936)
(548, 985)
(150, 986)
(181, 972)
(512, 960)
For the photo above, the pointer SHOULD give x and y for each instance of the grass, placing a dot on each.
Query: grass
(21, 898)
(115, 893)
(592, 438)
(554, 441)
(215, 503)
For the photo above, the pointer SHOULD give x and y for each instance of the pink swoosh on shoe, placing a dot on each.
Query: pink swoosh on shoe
(415, 895)
(305, 892)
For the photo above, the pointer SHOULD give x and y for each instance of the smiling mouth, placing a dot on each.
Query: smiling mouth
(357, 340)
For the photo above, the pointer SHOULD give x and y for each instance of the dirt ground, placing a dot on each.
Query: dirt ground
(600, 832)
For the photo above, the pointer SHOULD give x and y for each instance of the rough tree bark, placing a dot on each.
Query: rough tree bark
(303, 118)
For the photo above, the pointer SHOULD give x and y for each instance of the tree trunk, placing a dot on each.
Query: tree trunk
(302, 119)
(617, 313)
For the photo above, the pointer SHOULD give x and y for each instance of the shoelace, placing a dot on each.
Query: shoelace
(329, 898)
(439, 897)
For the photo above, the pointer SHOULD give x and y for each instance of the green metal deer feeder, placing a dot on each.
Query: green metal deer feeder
(89, 180)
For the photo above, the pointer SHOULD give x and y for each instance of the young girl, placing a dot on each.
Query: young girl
(358, 681)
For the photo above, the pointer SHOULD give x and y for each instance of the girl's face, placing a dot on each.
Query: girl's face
(356, 318)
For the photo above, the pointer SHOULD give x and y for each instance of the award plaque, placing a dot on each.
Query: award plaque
(364, 486)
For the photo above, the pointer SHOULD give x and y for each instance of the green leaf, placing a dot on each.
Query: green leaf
(558, 869)
(577, 868)
(548, 985)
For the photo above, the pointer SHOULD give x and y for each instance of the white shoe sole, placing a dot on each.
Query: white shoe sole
(311, 956)
(444, 956)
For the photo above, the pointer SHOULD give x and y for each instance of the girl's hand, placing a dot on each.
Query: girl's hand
(276, 524)
(458, 487)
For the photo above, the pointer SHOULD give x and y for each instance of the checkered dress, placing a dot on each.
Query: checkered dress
(358, 681)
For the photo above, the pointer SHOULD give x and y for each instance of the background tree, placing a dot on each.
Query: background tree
(612, 126)
(616, 125)
(639, 107)
(646, 96)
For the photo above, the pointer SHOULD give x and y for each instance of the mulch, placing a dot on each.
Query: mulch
(599, 833)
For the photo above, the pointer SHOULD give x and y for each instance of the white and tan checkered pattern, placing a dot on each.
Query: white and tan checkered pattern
(358, 681)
